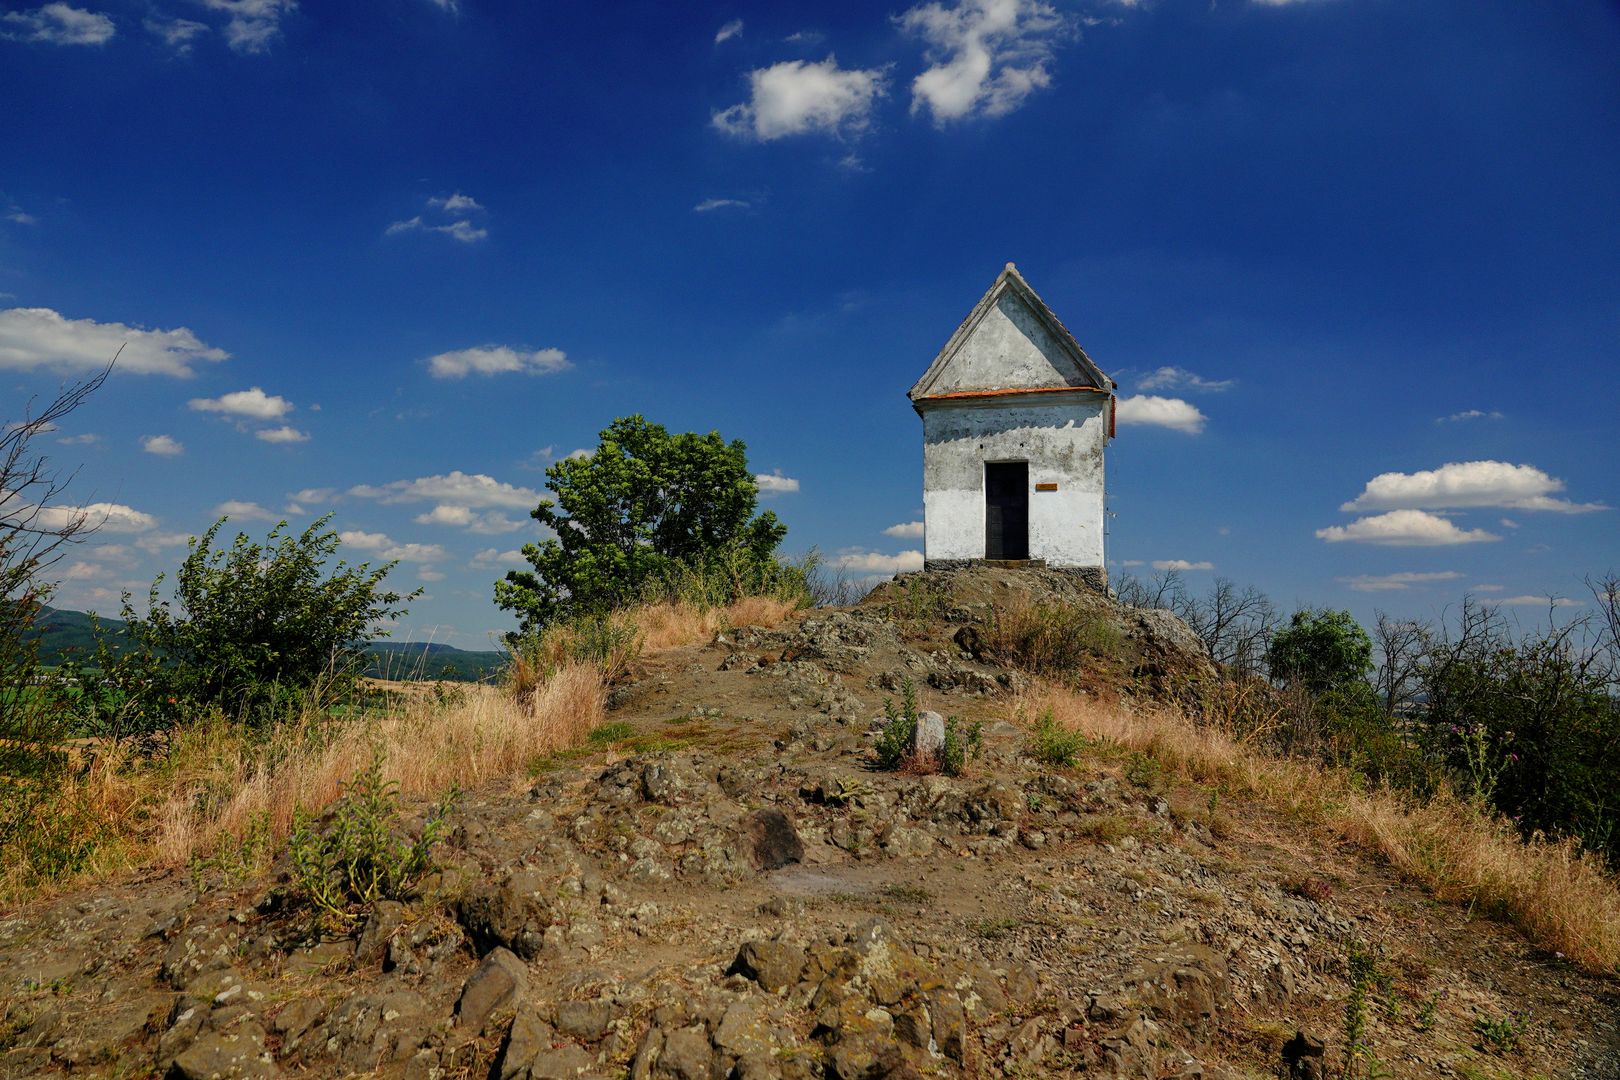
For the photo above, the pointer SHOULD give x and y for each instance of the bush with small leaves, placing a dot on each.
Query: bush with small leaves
(1053, 744)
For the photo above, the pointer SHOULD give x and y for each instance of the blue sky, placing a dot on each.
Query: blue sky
(1354, 263)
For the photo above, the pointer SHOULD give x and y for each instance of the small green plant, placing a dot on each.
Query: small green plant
(235, 860)
(1426, 1012)
(1053, 744)
(908, 893)
(1500, 1034)
(1144, 772)
(362, 858)
(900, 725)
(1366, 976)
(611, 732)
(962, 744)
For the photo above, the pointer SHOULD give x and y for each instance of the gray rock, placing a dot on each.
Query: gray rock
(771, 840)
(685, 1055)
(381, 925)
(525, 1039)
(587, 1020)
(499, 980)
(775, 965)
(514, 914)
(563, 1063)
(219, 1055)
(928, 737)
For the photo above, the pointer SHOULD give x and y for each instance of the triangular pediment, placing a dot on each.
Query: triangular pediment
(1010, 342)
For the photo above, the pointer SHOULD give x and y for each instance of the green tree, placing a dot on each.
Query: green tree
(644, 507)
(1324, 651)
(254, 625)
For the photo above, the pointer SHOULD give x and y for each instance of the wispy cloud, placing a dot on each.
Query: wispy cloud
(1468, 484)
(41, 338)
(253, 25)
(455, 488)
(162, 445)
(1404, 528)
(1181, 564)
(495, 559)
(1539, 601)
(58, 24)
(456, 206)
(796, 97)
(1398, 582)
(986, 56)
(497, 360)
(774, 483)
(177, 34)
(907, 530)
(860, 560)
(730, 30)
(1179, 378)
(252, 404)
(1469, 414)
(711, 205)
(1148, 410)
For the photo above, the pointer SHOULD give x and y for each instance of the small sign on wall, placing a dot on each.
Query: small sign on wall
(1045, 487)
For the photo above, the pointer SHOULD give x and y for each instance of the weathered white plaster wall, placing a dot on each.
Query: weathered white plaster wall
(1009, 347)
(1063, 442)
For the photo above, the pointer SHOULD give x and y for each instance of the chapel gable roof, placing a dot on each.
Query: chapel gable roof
(1010, 343)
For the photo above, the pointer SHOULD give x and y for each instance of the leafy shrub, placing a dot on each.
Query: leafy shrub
(1053, 744)
(1324, 651)
(361, 857)
(254, 628)
(647, 509)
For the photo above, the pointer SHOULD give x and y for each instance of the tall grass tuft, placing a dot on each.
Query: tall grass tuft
(1057, 640)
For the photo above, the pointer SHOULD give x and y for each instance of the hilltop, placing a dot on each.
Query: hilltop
(718, 883)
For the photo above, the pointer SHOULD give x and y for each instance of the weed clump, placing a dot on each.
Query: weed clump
(362, 857)
(1053, 744)
(892, 751)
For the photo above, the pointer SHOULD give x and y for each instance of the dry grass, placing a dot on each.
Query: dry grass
(671, 624)
(1560, 896)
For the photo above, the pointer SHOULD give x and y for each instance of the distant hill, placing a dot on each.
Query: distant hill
(65, 635)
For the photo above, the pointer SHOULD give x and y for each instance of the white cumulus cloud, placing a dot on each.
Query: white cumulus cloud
(1149, 410)
(251, 404)
(860, 560)
(162, 445)
(986, 56)
(497, 360)
(1181, 564)
(774, 483)
(494, 559)
(908, 530)
(1467, 484)
(1404, 528)
(386, 547)
(286, 433)
(455, 488)
(41, 338)
(101, 516)
(1398, 582)
(796, 97)
(58, 24)
(441, 209)
(243, 510)
(489, 523)
(456, 203)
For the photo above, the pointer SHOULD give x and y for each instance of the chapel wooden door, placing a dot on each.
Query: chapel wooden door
(1006, 510)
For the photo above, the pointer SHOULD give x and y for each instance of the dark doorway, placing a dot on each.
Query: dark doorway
(1006, 510)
